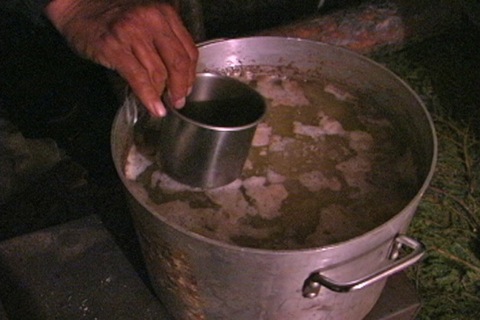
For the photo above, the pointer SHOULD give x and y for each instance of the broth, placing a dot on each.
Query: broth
(324, 167)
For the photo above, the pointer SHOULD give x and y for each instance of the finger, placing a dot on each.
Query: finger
(186, 40)
(137, 34)
(135, 58)
(140, 82)
(179, 61)
(146, 92)
(147, 56)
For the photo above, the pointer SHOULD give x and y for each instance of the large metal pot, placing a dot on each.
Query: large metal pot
(200, 278)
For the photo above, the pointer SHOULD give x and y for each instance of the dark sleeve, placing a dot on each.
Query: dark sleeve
(32, 9)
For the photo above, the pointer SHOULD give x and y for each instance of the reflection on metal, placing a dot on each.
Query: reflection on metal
(320, 4)
(170, 269)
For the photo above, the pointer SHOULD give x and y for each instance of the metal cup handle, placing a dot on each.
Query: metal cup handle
(135, 112)
(316, 280)
(131, 108)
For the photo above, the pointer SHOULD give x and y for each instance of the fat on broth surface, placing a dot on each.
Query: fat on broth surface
(324, 167)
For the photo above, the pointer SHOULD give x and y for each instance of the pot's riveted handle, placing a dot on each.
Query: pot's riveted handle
(316, 280)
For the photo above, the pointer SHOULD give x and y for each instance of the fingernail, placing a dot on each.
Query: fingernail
(160, 109)
(180, 103)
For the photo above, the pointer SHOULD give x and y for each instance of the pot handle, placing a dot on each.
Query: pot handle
(316, 280)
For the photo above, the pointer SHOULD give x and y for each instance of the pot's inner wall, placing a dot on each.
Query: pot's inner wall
(329, 163)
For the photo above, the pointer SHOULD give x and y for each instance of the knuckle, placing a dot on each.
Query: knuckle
(159, 79)
(182, 62)
(129, 21)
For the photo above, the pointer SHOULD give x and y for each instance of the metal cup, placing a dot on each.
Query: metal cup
(206, 143)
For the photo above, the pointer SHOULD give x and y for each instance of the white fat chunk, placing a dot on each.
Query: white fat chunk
(231, 200)
(282, 92)
(361, 141)
(327, 127)
(136, 164)
(167, 184)
(306, 130)
(267, 198)
(278, 143)
(274, 177)
(262, 135)
(331, 126)
(315, 181)
(339, 93)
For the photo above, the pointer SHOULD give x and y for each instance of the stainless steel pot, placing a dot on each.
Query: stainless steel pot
(199, 278)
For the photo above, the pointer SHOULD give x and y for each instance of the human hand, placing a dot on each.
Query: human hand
(145, 41)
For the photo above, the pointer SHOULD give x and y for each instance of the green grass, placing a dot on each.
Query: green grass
(444, 72)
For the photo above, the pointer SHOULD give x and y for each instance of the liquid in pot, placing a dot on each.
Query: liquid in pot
(325, 166)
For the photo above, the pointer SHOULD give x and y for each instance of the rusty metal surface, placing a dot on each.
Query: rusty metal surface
(376, 25)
